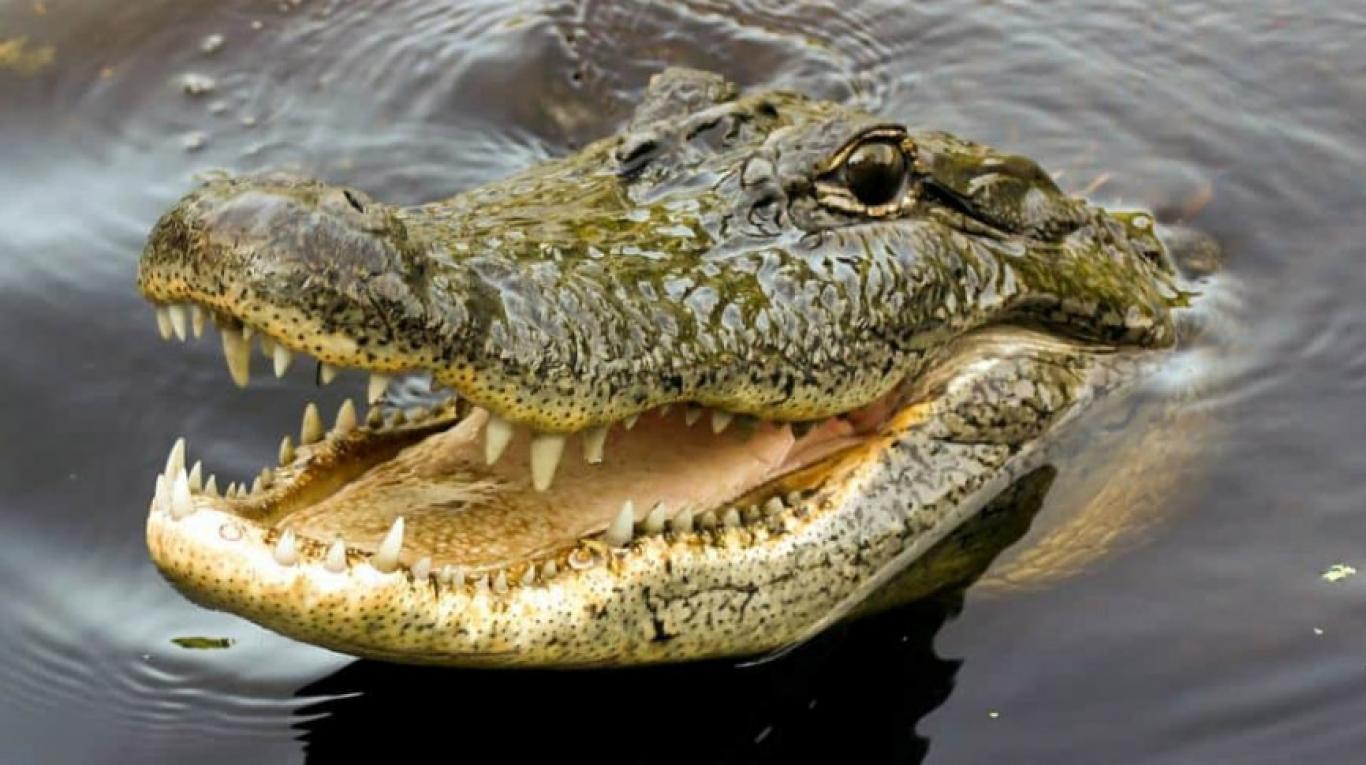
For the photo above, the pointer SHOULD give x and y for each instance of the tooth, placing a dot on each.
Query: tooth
(175, 461)
(282, 357)
(692, 415)
(422, 569)
(286, 451)
(238, 353)
(197, 477)
(374, 418)
(336, 556)
(161, 500)
(794, 498)
(593, 440)
(181, 503)
(500, 582)
(378, 384)
(164, 323)
(197, 318)
(231, 491)
(773, 506)
(730, 518)
(630, 422)
(211, 486)
(720, 420)
(327, 373)
(682, 522)
(180, 321)
(546, 449)
(385, 558)
(707, 520)
(496, 437)
(256, 485)
(654, 522)
(549, 570)
(286, 553)
(481, 584)
(619, 532)
(346, 417)
(267, 477)
(529, 575)
(248, 332)
(311, 431)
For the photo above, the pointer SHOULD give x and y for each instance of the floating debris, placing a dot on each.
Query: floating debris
(195, 84)
(211, 44)
(203, 643)
(1338, 572)
(194, 141)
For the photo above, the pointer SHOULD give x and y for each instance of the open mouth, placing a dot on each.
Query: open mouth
(458, 494)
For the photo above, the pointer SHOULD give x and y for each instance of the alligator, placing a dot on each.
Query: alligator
(710, 384)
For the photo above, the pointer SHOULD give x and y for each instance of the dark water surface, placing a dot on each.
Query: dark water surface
(1212, 637)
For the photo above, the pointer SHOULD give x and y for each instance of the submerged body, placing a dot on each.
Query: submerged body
(888, 328)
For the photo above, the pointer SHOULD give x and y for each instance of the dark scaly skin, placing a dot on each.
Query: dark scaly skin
(691, 258)
(708, 254)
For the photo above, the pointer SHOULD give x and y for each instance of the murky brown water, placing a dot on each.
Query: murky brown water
(1214, 640)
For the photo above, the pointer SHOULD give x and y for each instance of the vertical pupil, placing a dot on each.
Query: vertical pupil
(875, 173)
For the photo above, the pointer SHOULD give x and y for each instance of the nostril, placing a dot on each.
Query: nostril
(355, 203)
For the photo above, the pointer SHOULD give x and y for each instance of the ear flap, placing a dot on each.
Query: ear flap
(678, 91)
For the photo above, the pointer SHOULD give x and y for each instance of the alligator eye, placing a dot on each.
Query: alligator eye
(876, 173)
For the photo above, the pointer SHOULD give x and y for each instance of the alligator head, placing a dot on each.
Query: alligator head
(880, 326)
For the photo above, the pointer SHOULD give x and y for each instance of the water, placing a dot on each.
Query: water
(1210, 638)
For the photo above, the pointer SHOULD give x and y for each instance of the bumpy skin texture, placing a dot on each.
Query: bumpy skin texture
(705, 254)
(714, 253)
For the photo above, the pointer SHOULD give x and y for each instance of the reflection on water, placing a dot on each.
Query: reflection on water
(1215, 640)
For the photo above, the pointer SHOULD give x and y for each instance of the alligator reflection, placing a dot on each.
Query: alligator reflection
(857, 691)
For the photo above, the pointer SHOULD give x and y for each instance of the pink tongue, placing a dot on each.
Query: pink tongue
(459, 510)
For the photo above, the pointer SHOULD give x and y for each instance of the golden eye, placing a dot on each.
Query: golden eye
(876, 173)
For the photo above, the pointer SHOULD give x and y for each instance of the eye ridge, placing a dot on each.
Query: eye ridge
(875, 172)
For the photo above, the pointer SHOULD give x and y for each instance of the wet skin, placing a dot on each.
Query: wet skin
(889, 327)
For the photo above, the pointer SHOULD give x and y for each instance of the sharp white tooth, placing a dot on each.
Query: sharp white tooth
(730, 518)
(256, 485)
(630, 422)
(327, 373)
(619, 532)
(691, 415)
(231, 491)
(312, 430)
(720, 420)
(707, 520)
(197, 477)
(500, 582)
(286, 451)
(773, 506)
(529, 575)
(546, 450)
(497, 435)
(549, 570)
(238, 353)
(175, 461)
(443, 574)
(336, 556)
(211, 487)
(181, 503)
(197, 319)
(180, 321)
(378, 384)
(164, 322)
(481, 584)
(682, 522)
(385, 558)
(593, 440)
(422, 569)
(282, 357)
(286, 552)
(161, 500)
(654, 522)
(346, 417)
